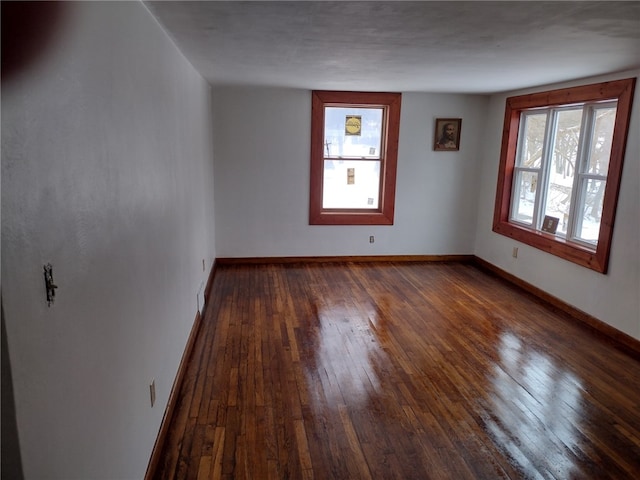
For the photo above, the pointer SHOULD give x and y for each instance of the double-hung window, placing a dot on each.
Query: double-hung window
(560, 169)
(354, 149)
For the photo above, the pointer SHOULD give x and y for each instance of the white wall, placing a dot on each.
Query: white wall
(107, 173)
(262, 150)
(613, 298)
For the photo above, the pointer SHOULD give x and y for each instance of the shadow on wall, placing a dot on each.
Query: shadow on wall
(28, 29)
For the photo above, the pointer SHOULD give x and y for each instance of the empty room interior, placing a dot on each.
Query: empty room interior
(330, 240)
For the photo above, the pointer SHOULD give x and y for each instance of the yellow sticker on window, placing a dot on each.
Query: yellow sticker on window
(353, 125)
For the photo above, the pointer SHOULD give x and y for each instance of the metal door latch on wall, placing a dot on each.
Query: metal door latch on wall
(49, 285)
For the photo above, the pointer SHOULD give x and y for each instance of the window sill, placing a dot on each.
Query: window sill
(554, 245)
(350, 218)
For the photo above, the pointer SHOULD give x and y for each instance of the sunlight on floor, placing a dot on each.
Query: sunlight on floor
(347, 355)
(535, 407)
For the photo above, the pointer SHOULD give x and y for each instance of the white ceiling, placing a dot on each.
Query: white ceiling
(462, 47)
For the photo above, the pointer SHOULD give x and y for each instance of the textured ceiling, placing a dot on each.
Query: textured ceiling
(463, 47)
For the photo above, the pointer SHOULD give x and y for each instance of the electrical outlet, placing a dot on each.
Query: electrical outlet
(372, 239)
(515, 252)
(152, 392)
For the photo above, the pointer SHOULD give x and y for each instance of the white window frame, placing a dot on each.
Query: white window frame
(580, 177)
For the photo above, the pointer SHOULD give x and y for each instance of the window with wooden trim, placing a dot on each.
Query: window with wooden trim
(354, 154)
(560, 169)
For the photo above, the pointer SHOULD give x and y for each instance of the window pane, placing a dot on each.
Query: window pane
(591, 211)
(603, 122)
(351, 184)
(562, 167)
(352, 132)
(531, 153)
(525, 196)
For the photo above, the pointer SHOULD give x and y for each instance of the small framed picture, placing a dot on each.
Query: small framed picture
(550, 224)
(447, 134)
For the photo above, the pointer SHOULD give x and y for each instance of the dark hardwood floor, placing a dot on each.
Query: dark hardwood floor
(397, 370)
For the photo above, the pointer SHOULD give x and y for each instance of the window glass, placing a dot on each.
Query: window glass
(589, 220)
(525, 197)
(534, 128)
(351, 184)
(562, 167)
(352, 132)
(600, 151)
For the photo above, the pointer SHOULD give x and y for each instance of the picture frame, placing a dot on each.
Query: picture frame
(446, 136)
(550, 224)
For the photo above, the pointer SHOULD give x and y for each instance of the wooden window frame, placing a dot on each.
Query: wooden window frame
(384, 214)
(596, 259)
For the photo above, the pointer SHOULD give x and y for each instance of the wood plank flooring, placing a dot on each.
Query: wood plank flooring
(397, 371)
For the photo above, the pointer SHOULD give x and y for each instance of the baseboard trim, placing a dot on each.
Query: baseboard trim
(612, 335)
(154, 461)
(343, 259)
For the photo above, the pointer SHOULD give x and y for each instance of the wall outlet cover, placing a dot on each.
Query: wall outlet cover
(152, 392)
